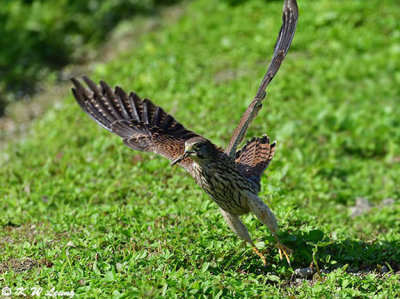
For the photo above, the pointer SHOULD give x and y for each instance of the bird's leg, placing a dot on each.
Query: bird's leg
(240, 229)
(264, 214)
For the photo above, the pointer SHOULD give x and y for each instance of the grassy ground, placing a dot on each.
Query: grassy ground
(82, 212)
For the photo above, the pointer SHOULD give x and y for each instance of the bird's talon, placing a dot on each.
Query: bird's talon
(280, 253)
(285, 250)
(256, 251)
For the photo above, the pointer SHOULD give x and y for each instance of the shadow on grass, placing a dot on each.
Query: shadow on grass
(310, 249)
(317, 249)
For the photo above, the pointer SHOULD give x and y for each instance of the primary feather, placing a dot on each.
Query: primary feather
(142, 125)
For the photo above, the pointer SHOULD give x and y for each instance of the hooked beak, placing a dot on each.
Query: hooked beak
(186, 154)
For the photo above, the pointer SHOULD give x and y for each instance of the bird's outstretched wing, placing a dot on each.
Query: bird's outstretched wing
(142, 125)
(285, 37)
(253, 159)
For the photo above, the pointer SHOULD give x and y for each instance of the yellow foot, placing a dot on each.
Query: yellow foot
(258, 252)
(283, 249)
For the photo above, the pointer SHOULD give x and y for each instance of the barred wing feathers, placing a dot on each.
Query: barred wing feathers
(283, 42)
(142, 125)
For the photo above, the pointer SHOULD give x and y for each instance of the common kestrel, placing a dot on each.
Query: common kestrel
(230, 177)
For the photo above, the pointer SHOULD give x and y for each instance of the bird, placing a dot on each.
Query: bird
(230, 177)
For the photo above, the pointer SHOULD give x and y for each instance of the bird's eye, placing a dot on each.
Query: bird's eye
(197, 146)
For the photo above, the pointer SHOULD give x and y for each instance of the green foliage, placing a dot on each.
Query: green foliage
(102, 220)
(40, 36)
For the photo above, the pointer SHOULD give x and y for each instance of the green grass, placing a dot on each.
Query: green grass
(95, 217)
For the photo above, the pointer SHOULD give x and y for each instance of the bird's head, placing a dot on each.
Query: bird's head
(198, 149)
